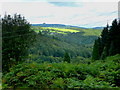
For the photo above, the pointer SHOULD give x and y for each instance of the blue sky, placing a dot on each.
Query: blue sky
(67, 4)
(84, 14)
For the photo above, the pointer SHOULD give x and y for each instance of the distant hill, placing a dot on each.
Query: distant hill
(56, 39)
(63, 26)
(57, 26)
(98, 28)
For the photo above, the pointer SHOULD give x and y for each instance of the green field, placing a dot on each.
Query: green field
(87, 32)
(91, 32)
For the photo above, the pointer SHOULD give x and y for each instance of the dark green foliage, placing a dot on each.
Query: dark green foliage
(16, 39)
(66, 57)
(104, 53)
(104, 38)
(109, 41)
(78, 38)
(96, 50)
(47, 48)
(52, 43)
(97, 74)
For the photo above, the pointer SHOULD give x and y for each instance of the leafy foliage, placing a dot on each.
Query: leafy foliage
(97, 74)
(51, 49)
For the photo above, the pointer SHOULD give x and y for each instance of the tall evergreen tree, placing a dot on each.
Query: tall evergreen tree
(96, 50)
(112, 50)
(104, 42)
(104, 53)
(16, 39)
(118, 37)
(109, 42)
(104, 35)
(113, 30)
(114, 33)
(66, 57)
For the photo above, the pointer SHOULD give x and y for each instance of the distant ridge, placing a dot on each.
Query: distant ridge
(63, 26)
(57, 26)
(98, 27)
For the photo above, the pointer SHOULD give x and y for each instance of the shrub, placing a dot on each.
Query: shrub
(98, 74)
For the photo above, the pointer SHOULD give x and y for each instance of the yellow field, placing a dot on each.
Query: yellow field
(63, 30)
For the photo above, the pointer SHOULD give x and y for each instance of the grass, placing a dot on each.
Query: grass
(91, 32)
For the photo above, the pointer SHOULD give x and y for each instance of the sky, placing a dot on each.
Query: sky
(79, 13)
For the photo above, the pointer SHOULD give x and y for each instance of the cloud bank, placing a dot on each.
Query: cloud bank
(86, 14)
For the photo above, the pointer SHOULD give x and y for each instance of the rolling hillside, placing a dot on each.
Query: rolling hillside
(86, 31)
(53, 42)
(52, 49)
(59, 56)
(70, 35)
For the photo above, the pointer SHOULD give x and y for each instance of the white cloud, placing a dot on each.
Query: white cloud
(86, 15)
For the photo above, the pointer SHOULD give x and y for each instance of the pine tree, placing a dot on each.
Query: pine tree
(112, 50)
(104, 53)
(104, 35)
(96, 50)
(118, 38)
(113, 30)
(16, 39)
(109, 42)
(66, 57)
(114, 40)
(104, 42)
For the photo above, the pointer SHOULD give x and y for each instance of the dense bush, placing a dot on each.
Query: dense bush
(98, 74)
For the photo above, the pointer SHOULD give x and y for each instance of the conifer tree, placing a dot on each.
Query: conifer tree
(104, 35)
(109, 42)
(104, 42)
(112, 50)
(66, 57)
(104, 53)
(96, 50)
(118, 37)
(16, 39)
(113, 34)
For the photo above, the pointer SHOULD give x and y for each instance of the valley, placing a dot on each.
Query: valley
(52, 42)
(59, 56)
